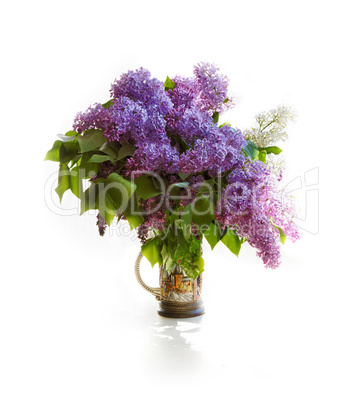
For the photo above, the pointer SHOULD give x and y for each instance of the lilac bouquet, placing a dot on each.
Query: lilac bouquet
(156, 156)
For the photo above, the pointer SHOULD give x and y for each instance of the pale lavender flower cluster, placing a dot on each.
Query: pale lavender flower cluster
(174, 131)
(213, 88)
(250, 203)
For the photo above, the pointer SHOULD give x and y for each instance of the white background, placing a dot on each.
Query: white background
(74, 324)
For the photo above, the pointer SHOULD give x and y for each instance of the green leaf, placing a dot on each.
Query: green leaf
(126, 150)
(111, 149)
(106, 203)
(152, 251)
(224, 125)
(108, 104)
(169, 264)
(262, 156)
(186, 215)
(91, 139)
(119, 190)
(99, 158)
(183, 176)
(200, 266)
(207, 186)
(226, 100)
(76, 182)
(113, 196)
(232, 241)
(88, 169)
(89, 198)
(146, 187)
(251, 150)
(76, 159)
(169, 84)
(215, 117)
(180, 142)
(53, 153)
(213, 235)
(271, 150)
(173, 191)
(67, 151)
(186, 220)
(182, 247)
(68, 138)
(166, 261)
(282, 234)
(134, 220)
(63, 180)
(202, 212)
(133, 213)
(194, 267)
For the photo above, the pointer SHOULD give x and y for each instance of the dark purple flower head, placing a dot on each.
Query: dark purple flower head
(158, 157)
(218, 152)
(139, 86)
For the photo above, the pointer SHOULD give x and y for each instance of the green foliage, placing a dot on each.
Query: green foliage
(232, 241)
(224, 125)
(202, 212)
(176, 246)
(169, 84)
(110, 196)
(114, 197)
(215, 117)
(183, 176)
(282, 234)
(173, 191)
(64, 182)
(213, 234)
(251, 150)
(152, 251)
(87, 168)
(207, 186)
(53, 153)
(96, 158)
(262, 156)
(89, 198)
(193, 263)
(186, 216)
(76, 182)
(108, 104)
(271, 150)
(126, 150)
(111, 149)
(68, 136)
(133, 212)
(146, 187)
(67, 151)
(91, 139)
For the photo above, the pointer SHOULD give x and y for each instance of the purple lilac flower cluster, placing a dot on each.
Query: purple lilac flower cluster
(250, 203)
(175, 132)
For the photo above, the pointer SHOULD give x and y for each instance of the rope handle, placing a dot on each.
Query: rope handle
(154, 291)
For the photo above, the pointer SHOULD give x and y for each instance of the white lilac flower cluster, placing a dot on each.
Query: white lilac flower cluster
(270, 131)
